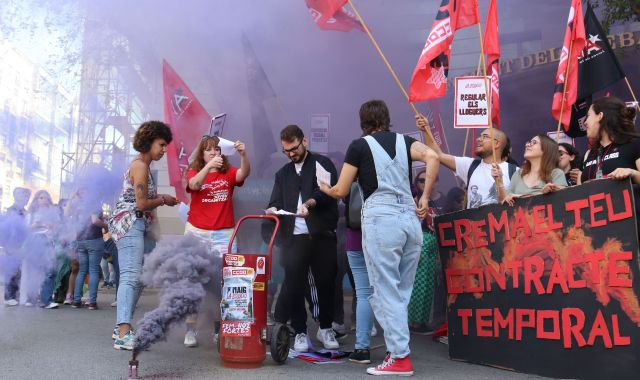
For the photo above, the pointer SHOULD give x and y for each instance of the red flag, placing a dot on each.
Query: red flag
(492, 49)
(429, 78)
(574, 43)
(330, 15)
(188, 120)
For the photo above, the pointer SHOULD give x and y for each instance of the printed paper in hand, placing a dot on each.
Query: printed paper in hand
(322, 175)
(226, 147)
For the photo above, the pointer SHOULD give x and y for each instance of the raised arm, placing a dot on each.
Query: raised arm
(445, 159)
(245, 165)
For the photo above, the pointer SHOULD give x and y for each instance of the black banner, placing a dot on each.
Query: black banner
(548, 286)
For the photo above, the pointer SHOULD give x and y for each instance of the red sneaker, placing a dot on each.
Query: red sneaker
(393, 366)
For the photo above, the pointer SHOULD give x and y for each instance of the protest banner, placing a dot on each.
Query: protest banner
(549, 286)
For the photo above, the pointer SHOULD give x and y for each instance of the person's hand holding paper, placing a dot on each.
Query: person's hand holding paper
(322, 175)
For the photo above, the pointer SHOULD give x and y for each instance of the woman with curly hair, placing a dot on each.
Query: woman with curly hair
(131, 219)
(539, 172)
(615, 150)
(211, 181)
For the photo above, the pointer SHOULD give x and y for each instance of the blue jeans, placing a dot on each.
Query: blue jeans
(131, 248)
(364, 314)
(46, 289)
(392, 239)
(110, 248)
(89, 254)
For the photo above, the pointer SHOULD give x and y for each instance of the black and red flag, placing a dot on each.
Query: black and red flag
(188, 121)
(331, 15)
(429, 79)
(567, 80)
(492, 49)
(598, 68)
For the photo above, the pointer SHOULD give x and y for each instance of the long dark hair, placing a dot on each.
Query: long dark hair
(617, 119)
(550, 158)
(208, 142)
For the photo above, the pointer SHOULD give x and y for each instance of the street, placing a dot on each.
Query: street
(76, 344)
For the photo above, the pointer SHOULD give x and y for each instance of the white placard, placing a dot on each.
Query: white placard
(319, 133)
(562, 139)
(472, 102)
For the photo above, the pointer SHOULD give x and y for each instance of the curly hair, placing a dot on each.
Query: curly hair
(148, 132)
(617, 119)
(550, 158)
(206, 143)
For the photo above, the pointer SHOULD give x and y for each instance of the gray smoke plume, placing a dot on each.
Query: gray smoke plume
(180, 267)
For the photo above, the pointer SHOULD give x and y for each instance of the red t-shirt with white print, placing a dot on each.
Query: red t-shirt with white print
(212, 206)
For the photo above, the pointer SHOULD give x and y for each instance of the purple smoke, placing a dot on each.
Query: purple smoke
(180, 268)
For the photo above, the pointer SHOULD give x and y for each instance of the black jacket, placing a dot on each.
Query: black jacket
(288, 184)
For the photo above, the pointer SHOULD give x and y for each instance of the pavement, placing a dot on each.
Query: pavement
(68, 343)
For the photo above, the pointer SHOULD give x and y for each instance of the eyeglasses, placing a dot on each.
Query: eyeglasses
(532, 142)
(292, 150)
(562, 152)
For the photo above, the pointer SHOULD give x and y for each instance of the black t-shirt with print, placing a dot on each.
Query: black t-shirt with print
(610, 158)
(359, 155)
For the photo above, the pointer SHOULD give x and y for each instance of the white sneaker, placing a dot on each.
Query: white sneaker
(28, 304)
(10, 302)
(114, 303)
(190, 339)
(300, 344)
(338, 327)
(328, 338)
(52, 305)
(374, 331)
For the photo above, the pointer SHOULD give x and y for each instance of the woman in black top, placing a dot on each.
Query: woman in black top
(615, 151)
(569, 163)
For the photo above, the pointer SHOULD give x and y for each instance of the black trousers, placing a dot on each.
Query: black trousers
(315, 252)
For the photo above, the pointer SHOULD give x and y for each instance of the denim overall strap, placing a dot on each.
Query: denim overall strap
(392, 174)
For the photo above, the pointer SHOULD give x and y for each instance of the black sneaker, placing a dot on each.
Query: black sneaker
(421, 330)
(360, 356)
(339, 335)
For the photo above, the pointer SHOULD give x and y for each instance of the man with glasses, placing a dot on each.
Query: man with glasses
(309, 238)
(476, 172)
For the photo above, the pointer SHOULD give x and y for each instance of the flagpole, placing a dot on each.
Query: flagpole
(564, 90)
(466, 140)
(386, 62)
(632, 94)
(486, 86)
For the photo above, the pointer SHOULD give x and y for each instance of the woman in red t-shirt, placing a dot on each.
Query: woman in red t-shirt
(211, 181)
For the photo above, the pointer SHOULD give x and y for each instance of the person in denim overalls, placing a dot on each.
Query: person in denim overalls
(391, 233)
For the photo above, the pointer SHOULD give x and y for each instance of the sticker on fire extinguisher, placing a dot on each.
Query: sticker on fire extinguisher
(234, 260)
(237, 294)
(261, 265)
(236, 328)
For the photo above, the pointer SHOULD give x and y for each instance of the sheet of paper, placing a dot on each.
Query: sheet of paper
(322, 175)
(226, 147)
(280, 212)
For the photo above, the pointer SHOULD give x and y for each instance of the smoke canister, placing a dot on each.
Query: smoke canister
(133, 370)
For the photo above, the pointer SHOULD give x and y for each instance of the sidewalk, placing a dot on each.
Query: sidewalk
(76, 344)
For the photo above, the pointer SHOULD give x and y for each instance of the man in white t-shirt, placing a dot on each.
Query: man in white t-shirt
(481, 185)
